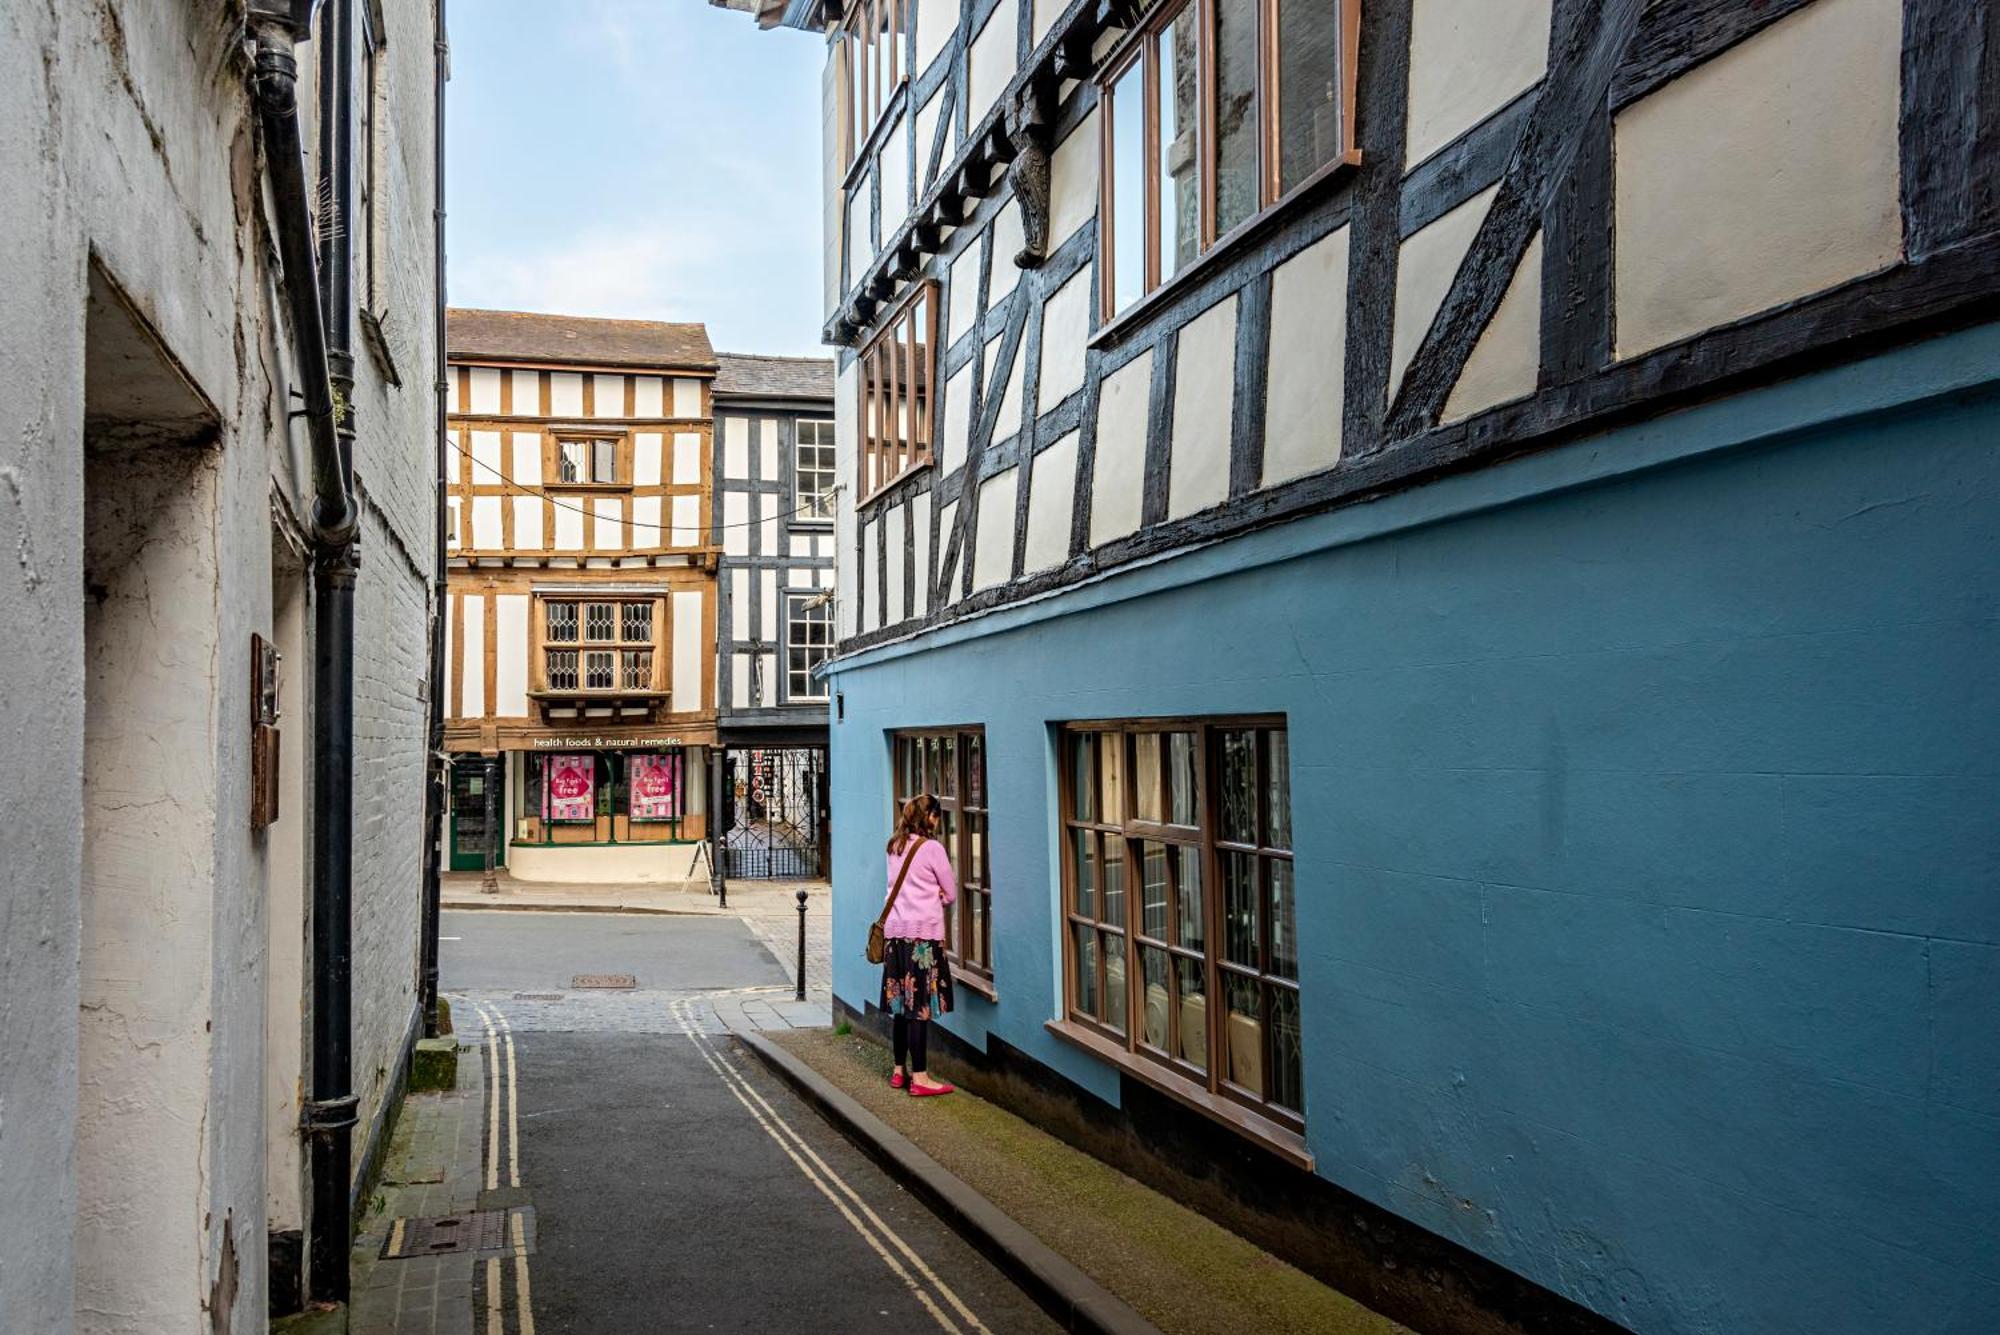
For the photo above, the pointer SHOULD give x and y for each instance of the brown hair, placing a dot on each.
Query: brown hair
(919, 821)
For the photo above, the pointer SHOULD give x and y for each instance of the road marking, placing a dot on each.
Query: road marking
(524, 1301)
(738, 1086)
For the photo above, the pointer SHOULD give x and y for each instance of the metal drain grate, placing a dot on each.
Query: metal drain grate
(477, 1231)
(604, 980)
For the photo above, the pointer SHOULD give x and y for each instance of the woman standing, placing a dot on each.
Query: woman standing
(916, 981)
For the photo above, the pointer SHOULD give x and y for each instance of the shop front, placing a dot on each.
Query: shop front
(592, 808)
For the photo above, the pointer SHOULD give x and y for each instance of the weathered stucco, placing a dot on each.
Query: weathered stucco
(151, 961)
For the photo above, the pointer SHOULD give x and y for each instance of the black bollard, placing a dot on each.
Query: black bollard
(800, 993)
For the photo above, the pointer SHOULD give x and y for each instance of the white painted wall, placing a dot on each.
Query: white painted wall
(993, 557)
(1204, 396)
(1118, 474)
(1468, 59)
(1306, 376)
(957, 431)
(1424, 270)
(1506, 362)
(1051, 500)
(995, 56)
(472, 679)
(510, 655)
(688, 695)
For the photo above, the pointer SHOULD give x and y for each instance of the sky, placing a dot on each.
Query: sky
(641, 159)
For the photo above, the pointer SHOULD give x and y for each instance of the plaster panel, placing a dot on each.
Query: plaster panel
(995, 55)
(686, 689)
(452, 523)
(1073, 178)
(1795, 188)
(957, 421)
(1006, 238)
(739, 681)
(569, 525)
(648, 396)
(486, 531)
(646, 528)
(1306, 376)
(963, 298)
(937, 20)
(860, 234)
(767, 451)
(1118, 475)
(687, 397)
(608, 396)
(609, 532)
(1204, 393)
(486, 458)
(472, 684)
(736, 448)
(527, 521)
(1424, 272)
(920, 518)
(895, 169)
(1009, 419)
(871, 588)
(947, 517)
(735, 524)
(1065, 335)
(1468, 59)
(767, 606)
(767, 526)
(993, 560)
(646, 449)
(484, 384)
(565, 394)
(1506, 362)
(510, 643)
(526, 388)
(686, 521)
(1051, 500)
(527, 457)
(897, 519)
(927, 129)
(687, 459)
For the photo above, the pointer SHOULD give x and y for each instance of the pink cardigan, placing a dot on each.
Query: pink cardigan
(919, 911)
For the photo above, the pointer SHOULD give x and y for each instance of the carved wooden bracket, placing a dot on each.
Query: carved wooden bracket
(1028, 125)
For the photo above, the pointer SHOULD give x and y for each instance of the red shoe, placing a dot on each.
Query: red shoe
(921, 1092)
(895, 1079)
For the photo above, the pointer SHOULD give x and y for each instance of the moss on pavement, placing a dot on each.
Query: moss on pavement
(1182, 1271)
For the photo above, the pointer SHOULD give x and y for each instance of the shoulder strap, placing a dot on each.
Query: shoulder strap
(901, 876)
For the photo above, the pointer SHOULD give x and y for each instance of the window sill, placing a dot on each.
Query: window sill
(972, 978)
(1225, 249)
(1286, 1144)
(912, 471)
(611, 488)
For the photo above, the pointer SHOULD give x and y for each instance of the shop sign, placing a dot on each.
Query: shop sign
(570, 793)
(654, 780)
(592, 742)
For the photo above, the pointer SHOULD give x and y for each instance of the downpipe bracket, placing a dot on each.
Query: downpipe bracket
(321, 1117)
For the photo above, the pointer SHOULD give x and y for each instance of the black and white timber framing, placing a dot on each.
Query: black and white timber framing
(771, 550)
(1547, 153)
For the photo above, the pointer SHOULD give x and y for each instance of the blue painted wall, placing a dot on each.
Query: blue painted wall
(1646, 795)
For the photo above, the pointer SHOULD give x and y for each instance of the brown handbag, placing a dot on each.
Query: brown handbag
(878, 941)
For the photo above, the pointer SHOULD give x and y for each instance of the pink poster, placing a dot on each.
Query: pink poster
(654, 781)
(570, 794)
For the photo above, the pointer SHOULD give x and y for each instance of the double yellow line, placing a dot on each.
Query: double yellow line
(498, 1041)
(897, 1254)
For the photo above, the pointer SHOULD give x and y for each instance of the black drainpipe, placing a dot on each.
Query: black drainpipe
(321, 336)
(434, 766)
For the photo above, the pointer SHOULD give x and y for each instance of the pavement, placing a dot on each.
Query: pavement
(654, 1178)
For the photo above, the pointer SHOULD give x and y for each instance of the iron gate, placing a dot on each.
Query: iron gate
(774, 825)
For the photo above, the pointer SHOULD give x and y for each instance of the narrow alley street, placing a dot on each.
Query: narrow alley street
(661, 1180)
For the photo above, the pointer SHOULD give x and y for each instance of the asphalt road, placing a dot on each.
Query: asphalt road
(676, 1185)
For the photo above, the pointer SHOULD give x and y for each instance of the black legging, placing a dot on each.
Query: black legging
(910, 1038)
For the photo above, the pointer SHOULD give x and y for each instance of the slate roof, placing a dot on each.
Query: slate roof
(585, 341)
(758, 377)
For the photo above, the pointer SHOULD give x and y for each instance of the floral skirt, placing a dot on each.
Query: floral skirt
(916, 980)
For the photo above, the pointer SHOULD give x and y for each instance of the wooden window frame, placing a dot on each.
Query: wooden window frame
(1206, 1087)
(1142, 45)
(618, 645)
(808, 505)
(552, 458)
(909, 332)
(969, 823)
(875, 67)
(794, 599)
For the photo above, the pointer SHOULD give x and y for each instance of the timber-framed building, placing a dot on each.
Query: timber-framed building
(580, 706)
(1438, 553)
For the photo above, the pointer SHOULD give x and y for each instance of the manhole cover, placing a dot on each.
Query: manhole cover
(477, 1231)
(538, 996)
(604, 980)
